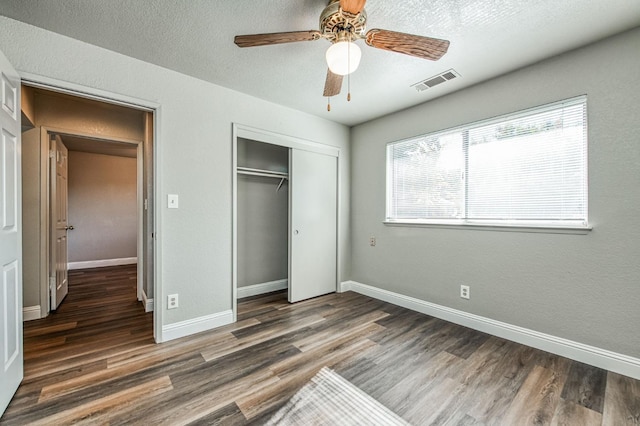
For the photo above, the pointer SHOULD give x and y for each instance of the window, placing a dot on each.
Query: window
(524, 169)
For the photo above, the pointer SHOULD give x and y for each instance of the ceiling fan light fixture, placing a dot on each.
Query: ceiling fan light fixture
(343, 57)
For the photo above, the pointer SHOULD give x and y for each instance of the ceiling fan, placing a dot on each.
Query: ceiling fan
(342, 22)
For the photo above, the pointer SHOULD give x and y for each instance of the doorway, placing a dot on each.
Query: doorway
(89, 128)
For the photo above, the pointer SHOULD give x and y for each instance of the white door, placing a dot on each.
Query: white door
(11, 352)
(313, 183)
(59, 221)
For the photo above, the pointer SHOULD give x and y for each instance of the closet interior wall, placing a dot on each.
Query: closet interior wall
(263, 217)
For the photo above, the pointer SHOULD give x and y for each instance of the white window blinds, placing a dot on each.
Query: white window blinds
(527, 169)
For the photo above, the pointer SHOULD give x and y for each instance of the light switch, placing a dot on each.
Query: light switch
(172, 201)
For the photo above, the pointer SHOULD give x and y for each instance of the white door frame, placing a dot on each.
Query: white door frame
(77, 90)
(259, 135)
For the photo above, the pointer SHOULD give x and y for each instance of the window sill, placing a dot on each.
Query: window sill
(493, 227)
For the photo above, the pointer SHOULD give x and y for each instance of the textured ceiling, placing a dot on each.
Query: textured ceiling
(195, 37)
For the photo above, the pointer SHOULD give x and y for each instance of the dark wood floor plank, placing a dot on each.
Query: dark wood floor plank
(468, 343)
(622, 401)
(503, 366)
(585, 386)
(325, 332)
(428, 404)
(406, 394)
(347, 339)
(537, 400)
(278, 393)
(260, 335)
(403, 355)
(54, 416)
(71, 359)
(120, 377)
(569, 413)
(34, 329)
(94, 362)
(188, 405)
(229, 415)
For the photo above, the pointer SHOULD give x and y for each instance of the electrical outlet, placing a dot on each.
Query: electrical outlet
(372, 241)
(172, 301)
(465, 293)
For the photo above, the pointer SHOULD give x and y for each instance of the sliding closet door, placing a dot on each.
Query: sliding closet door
(313, 179)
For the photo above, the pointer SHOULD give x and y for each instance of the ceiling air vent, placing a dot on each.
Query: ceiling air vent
(435, 80)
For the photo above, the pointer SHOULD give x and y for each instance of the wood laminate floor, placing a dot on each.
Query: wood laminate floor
(94, 362)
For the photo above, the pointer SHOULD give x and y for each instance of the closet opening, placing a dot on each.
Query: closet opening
(262, 217)
(285, 211)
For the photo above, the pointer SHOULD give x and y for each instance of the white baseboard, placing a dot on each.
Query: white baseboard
(255, 289)
(30, 313)
(196, 325)
(146, 302)
(602, 358)
(102, 263)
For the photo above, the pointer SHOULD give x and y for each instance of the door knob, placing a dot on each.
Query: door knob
(69, 228)
(295, 232)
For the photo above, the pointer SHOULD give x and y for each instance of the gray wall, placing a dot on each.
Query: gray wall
(580, 287)
(193, 158)
(102, 207)
(263, 215)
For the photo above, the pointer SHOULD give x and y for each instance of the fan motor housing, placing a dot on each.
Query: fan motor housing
(334, 22)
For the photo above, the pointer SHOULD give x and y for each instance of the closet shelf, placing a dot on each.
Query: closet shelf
(261, 172)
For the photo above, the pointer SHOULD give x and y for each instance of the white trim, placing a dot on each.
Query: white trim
(147, 303)
(30, 313)
(544, 229)
(196, 325)
(78, 90)
(157, 189)
(140, 211)
(234, 221)
(101, 263)
(266, 136)
(262, 288)
(602, 358)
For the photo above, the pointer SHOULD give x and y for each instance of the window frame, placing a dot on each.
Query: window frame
(541, 226)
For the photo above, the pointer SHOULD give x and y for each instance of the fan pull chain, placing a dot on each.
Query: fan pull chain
(349, 71)
(328, 103)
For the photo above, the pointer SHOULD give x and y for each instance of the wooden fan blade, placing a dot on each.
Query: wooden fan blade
(409, 44)
(352, 6)
(333, 84)
(252, 40)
